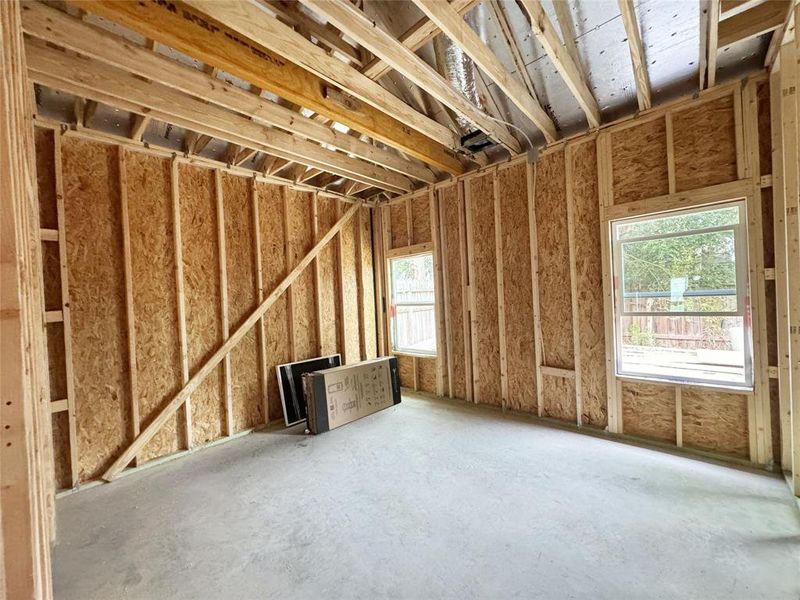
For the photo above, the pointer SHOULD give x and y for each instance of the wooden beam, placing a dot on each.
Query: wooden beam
(753, 22)
(451, 23)
(358, 26)
(59, 28)
(497, 10)
(138, 125)
(263, 51)
(501, 302)
(712, 42)
(223, 287)
(259, 282)
(415, 37)
(573, 281)
(546, 34)
(466, 290)
(530, 177)
(78, 75)
(778, 36)
(729, 8)
(567, 28)
(637, 53)
(224, 350)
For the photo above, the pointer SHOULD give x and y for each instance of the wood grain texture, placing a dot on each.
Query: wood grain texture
(202, 290)
(639, 161)
(301, 240)
(328, 277)
(486, 343)
(715, 421)
(648, 410)
(764, 129)
(45, 177)
(705, 144)
(248, 406)
(351, 347)
(61, 465)
(399, 225)
(368, 285)
(51, 274)
(273, 259)
(99, 338)
(426, 374)
(421, 219)
(589, 284)
(553, 246)
(405, 369)
(158, 362)
(558, 398)
(451, 255)
(56, 361)
(518, 295)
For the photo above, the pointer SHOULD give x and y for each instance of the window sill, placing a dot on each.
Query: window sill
(412, 354)
(718, 387)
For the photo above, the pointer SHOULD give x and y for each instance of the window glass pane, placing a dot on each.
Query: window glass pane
(412, 312)
(678, 223)
(694, 348)
(684, 273)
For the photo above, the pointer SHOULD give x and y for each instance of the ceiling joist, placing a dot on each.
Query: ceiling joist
(234, 37)
(637, 54)
(753, 22)
(358, 26)
(459, 31)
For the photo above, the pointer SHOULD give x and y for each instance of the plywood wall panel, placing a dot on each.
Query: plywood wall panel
(486, 340)
(639, 161)
(553, 248)
(51, 274)
(589, 283)
(705, 144)
(558, 398)
(399, 225)
(764, 129)
(248, 406)
(56, 361)
(421, 219)
(405, 371)
(451, 259)
(352, 349)
(301, 240)
(155, 304)
(715, 421)
(202, 292)
(45, 177)
(648, 410)
(328, 278)
(99, 334)
(273, 264)
(426, 375)
(775, 419)
(518, 294)
(368, 285)
(61, 464)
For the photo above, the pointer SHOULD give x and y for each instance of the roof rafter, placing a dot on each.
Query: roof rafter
(358, 26)
(753, 22)
(637, 54)
(451, 24)
(570, 72)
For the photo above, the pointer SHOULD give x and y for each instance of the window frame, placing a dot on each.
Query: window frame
(743, 305)
(392, 321)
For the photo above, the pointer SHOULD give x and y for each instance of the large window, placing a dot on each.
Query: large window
(681, 290)
(412, 313)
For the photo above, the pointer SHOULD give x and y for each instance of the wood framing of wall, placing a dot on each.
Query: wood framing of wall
(154, 263)
(544, 345)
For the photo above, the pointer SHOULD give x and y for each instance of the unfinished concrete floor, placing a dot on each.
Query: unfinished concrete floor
(431, 500)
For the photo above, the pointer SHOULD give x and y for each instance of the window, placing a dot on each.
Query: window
(412, 312)
(681, 301)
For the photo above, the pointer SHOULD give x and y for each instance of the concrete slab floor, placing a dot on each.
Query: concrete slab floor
(431, 499)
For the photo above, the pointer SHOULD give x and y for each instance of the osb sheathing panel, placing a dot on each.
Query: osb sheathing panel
(155, 304)
(56, 361)
(61, 465)
(328, 277)
(405, 370)
(368, 285)
(589, 283)
(486, 344)
(51, 274)
(648, 410)
(97, 302)
(426, 374)
(704, 144)
(553, 248)
(421, 219)
(764, 129)
(202, 296)
(301, 240)
(775, 419)
(45, 178)
(715, 421)
(352, 350)
(767, 228)
(399, 222)
(558, 398)
(451, 257)
(273, 264)
(518, 294)
(248, 406)
(639, 161)
(771, 312)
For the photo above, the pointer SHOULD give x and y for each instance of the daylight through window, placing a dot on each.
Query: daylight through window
(680, 296)
(412, 312)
